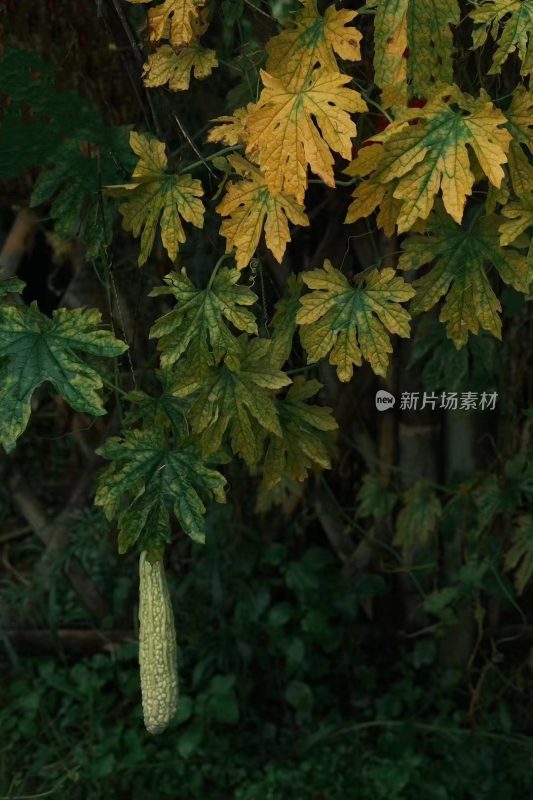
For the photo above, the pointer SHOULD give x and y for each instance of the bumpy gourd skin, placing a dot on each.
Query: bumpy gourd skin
(157, 647)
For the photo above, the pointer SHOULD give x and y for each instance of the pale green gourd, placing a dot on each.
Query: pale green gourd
(157, 647)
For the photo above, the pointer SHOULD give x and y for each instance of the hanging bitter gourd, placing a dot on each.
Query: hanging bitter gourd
(157, 646)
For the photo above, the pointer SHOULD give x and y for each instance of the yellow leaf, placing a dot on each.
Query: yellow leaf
(353, 322)
(289, 130)
(175, 20)
(250, 208)
(312, 40)
(231, 129)
(174, 67)
(156, 197)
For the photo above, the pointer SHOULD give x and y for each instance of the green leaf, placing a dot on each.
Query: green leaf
(156, 197)
(304, 440)
(284, 320)
(159, 411)
(35, 349)
(149, 479)
(519, 557)
(374, 499)
(234, 396)
(418, 519)
(197, 325)
(445, 369)
(79, 208)
(352, 322)
(462, 254)
(10, 285)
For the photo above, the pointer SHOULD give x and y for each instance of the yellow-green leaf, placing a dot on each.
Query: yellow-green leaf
(305, 439)
(462, 254)
(199, 322)
(289, 130)
(520, 125)
(251, 208)
(518, 218)
(174, 67)
(234, 396)
(510, 25)
(312, 40)
(413, 46)
(353, 322)
(431, 157)
(156, 197)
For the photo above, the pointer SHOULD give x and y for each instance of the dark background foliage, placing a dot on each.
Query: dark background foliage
(360, 636)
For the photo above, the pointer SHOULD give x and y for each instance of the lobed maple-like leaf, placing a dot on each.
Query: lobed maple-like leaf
(149, 478)
(252, 209)
(312, 40)
(417, 521)
(36, 349)
(519, 117)
(198, 323)
(291, 129)
(234, 396)
(156, 197)
(352, 322)
(462, 254)
(510, 25)
(518, 218)
(162, 410)
(79, 207)
(413, 163)
(305, 435)
(174, 20)
(174, 67)
(413, 46)
(284, 323)
(231, 128)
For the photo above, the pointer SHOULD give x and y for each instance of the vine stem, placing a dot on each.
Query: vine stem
(216, 268)
(203, 162)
